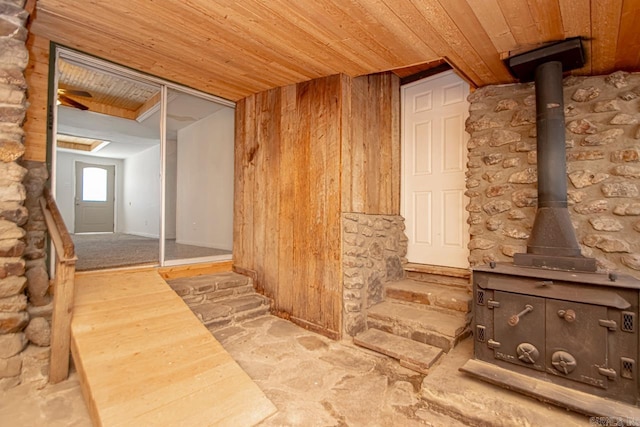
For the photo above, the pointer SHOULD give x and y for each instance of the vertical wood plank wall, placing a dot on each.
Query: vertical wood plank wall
(306, 153)
(37, 76)
(371, 153)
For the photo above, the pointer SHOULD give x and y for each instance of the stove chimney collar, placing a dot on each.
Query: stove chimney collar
(569, 52)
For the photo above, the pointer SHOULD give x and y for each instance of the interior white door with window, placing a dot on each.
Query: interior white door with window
(434, 157)
(94, 201)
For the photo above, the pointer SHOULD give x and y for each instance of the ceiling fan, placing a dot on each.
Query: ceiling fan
(64, 99)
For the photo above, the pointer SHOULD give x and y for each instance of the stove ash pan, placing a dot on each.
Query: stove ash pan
(576, 330)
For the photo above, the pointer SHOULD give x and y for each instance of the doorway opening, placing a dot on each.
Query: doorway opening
(142, 169)
(94, 201)
(434, 158)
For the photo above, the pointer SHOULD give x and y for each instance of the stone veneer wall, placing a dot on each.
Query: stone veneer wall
(374, 249)
(603, 169)
(22, 250)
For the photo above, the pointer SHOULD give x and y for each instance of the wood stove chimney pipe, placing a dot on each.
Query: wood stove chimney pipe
(553, 242)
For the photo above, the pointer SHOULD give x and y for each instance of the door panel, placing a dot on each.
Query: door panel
(434, 164)
(94, 201)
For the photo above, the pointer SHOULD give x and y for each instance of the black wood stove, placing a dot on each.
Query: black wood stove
(549, 325)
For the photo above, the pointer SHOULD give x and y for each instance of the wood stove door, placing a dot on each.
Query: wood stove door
(519, 329)
(577, 342)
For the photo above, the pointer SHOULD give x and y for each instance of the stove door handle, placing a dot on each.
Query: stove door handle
(515, 319)
(493, 344)
(609, 324)
(608, 372)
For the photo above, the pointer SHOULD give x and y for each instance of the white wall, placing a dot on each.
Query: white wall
(65, 185)
(205, 182)
(142, 194)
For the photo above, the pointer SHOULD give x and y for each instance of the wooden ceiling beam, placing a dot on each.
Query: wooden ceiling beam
(148, 105)
(109, 110)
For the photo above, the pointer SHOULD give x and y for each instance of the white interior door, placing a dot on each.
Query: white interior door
(94, 199)
(434, 155)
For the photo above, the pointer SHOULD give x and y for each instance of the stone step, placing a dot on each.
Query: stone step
(425, 324)
(450, 276)
(221, 299)
(227, 311)
(411, 354)
(451, 298)
(199, 289)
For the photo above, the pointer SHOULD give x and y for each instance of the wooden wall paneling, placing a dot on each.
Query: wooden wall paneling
(395, 145)
(346, 149)
(314, 149)
(372, 145)
(243, 248)
(628, 45)
(303, 258)
(288, 274)
(333, 233)
(239, 187)
(332, 277)
(37, 77)
(317, 215)
(605, 16)
(576, 20)
(384, 156)
(355, 199)
(260, 178)
(271, 140)
(371, 155)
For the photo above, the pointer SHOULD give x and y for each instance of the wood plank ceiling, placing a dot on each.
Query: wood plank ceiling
(235, 48)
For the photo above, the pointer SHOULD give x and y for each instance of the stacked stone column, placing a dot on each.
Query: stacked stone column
(374, 249)
(21, 255)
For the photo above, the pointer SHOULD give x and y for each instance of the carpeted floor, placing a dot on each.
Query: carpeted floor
(99, 251)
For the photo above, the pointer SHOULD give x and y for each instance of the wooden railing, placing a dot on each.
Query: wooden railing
(63, 289)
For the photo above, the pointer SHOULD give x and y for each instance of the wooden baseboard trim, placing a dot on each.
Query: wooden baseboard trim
(334, 335)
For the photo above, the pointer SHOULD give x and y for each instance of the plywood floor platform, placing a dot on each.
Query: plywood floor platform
(145, 359)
